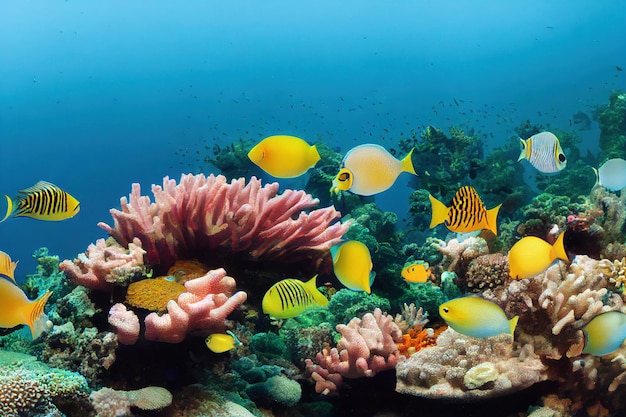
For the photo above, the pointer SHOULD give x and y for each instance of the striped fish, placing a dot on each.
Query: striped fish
(466, 214)
(292, 297)
(42, 201)
(544, 152)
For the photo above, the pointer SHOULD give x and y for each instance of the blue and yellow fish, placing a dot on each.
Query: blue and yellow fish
(15, 307)
(352, 264)
(284, 156)
(467, 213)
(42, 201)
(369, 169)
(222, 342)
(417, 272)
(292, 297)
(476, 317)
(532, 255)
(544, 152)
(605, 333)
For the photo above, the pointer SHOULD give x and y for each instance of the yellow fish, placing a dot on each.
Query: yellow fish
(15, 307)
(417, 272)
(605, 333)
(369, 169)
(352, 264)
(42, 201)
(284, 156)
(222, 342)
(476, 317)
(544, 152)
(467, 213)
(531, 256)
(292, 297)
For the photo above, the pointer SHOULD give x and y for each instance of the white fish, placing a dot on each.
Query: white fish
(544, 152)
(612, 174)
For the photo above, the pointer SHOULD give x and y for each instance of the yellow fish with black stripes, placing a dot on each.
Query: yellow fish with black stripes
(42, 201)
(15, 307)
(467, 213)
(292, 297)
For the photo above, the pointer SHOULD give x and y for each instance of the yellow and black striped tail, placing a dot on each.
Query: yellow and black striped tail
(43, 201)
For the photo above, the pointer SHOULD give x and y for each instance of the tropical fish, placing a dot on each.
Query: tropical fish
(581, 120)
(544, 152)
(15, 307)
(222, 342)
(476, 317)
(292, 297)
(612, 174)
(284, 156)
(605, 333)
(531, 256)
(467, 213)
(42, 201)
(417, 272)
(352, 265)
(369, 169)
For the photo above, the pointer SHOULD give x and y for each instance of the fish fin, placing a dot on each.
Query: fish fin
(314, 155)
(522, 154)
(439, 211)
(558, 249)
(407, 163)
(234, 336)
(492, 219)
(7, 266)
(334, 252)
(9, 208)
(317, 295)
(372, 278)
(594, 170)
(513, 324)
(40, 186)
(36, 317)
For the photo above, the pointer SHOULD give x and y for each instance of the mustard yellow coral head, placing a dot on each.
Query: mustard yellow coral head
(343, 181)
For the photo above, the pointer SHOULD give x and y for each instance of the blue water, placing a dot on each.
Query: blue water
(97, 95)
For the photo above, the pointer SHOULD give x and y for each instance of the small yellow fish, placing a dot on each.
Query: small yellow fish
(417, 272)
(531, 256)
(605, 333)
(42, 201)
(612, 174)
(544, 152)
(222, 342)
(467, 213)
(292, 297)
(476, 317)
(369, 169)
(284, 156)
(352, 265)
(15, 307)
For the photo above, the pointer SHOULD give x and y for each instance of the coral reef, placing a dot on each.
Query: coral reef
(486, 271)
(612, 120)
(113, 403)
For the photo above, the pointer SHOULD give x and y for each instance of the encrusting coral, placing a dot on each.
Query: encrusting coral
(113, 403)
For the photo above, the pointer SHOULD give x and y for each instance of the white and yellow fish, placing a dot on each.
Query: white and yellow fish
(544, 152)
(612, 174)
(605, 333)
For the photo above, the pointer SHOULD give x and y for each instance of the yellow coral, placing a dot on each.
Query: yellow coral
(187, 269)
(154, 293)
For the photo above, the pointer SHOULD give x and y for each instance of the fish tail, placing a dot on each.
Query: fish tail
(36, 318)
(439, 211)
(317, 295)
(597, 176)
(522, 154)
(7, 266)
(9, 208)
(558, 249)
(513, 324)
(492, 219)
(314, 155)
(407, 163)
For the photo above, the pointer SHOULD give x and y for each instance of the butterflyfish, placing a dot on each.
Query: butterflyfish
(531, 255)
(417, 272)
(292, 297)
(612, 174)
(544, 152)
(467, 213)
(352, 264)
(605, 333)
(222, 342)
(42, 201)
(15, 307)
(370, 169)
(284, 156)
(476, 317)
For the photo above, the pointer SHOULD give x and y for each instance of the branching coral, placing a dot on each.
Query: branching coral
(460, 253)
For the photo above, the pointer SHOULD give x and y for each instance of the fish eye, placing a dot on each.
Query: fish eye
(561, 157)
(445, 309)
(344, 176)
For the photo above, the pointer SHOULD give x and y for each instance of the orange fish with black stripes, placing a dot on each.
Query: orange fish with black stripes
(42, 201)
(15, 307)
(467, 213)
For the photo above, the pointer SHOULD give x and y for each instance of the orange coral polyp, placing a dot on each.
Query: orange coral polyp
(413, 341)
(187, 269)
(154, 293)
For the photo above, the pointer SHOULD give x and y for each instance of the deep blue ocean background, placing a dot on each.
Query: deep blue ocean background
(97, 95)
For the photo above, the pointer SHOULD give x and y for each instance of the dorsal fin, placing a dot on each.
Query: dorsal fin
(7, 267)
(40, 186)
